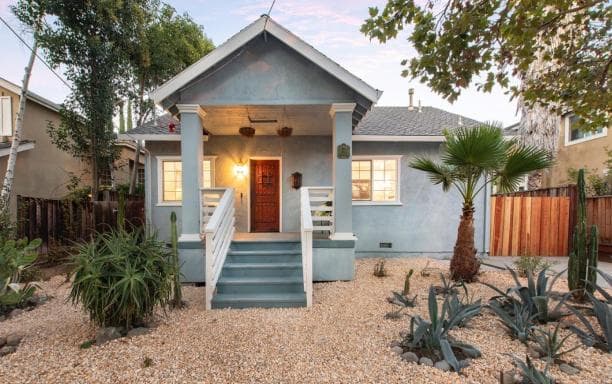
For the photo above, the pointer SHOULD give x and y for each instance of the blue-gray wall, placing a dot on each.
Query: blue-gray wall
(427, 220)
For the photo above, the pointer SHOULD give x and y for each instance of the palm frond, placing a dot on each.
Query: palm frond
(520, 160)
(480, 147)
(438, 173)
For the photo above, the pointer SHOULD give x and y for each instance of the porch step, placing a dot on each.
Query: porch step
(276, 300)
(261, 274)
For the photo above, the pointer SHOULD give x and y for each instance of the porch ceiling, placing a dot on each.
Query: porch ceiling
(304, 119)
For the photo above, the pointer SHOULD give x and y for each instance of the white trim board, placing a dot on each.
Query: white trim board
(568, 142)
(160, 202)
(248, 182)
(22, 147)
(153, 137)
(398, 179)
(267, 25)
(420, 139)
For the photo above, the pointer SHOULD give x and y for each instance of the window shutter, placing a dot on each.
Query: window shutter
(6, 116)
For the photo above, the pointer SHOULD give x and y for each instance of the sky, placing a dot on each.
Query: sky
(332, 27)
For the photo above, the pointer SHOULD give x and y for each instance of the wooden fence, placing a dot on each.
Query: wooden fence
(541, 222)
(62, 222)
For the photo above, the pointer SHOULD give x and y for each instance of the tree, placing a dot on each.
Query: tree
(35, 12)
(168, 43)
(459, 42)
(472, 158)
(90, 41)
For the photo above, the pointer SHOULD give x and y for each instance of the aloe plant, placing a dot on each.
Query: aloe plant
(550, 344)
(433, 335)
(519, 321)
(531, 374)
(449, 286)
(16, 256)
(603, 314)
(536, 296)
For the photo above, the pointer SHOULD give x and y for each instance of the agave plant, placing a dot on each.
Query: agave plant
(531, 374)
(433, 335)
(448, 286)
(120, 277)
(550, 344)
(402, 301)
(603, 314)
(536, 296)
(519, 321)
(16, 256)
(457, 305)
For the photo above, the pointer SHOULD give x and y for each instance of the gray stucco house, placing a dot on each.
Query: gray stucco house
(281, 171)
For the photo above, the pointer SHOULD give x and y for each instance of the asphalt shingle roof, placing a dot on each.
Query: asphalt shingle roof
(400, 121)
(379, 121)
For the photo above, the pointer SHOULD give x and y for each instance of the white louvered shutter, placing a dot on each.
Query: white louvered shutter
(6, 116)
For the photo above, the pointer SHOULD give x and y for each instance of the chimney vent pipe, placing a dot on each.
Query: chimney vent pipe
(410, 97)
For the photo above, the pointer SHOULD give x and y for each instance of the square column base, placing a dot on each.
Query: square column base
(191, 258)
(342, 236)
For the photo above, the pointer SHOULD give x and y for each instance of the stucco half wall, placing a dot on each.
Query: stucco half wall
(425, 223)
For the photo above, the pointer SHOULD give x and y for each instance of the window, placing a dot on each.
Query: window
(574, 134)
(375, 179)
(171, 181)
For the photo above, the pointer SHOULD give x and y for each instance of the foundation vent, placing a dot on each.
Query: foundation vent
(385, 245)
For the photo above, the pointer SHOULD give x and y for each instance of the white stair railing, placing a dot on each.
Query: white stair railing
(306, 240)
(218, 231)
(322, 208)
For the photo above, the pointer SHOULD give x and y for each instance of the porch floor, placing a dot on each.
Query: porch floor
(266, 236)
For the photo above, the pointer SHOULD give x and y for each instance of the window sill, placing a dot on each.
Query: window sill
(173, 204)
(382, 203)
(585, 139)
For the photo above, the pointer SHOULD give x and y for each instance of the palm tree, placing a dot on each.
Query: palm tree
(470, 159)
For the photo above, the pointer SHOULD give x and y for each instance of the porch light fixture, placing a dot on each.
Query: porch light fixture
(240, 170)
(247, 131)
(296, 180)
(284, 131)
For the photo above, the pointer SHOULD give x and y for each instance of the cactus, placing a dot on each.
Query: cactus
(177, 300)
(406, 290)
(582, 262)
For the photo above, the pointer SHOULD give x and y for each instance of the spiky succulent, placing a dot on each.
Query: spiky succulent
(603, 314)
(519, 321)
(550, 343)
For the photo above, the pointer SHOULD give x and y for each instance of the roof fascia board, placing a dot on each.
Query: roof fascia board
(419, 139)
(152, 137)
(31, 96)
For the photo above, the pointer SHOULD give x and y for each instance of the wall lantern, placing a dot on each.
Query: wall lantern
(240, 170)
(247, 131)
(296, 180)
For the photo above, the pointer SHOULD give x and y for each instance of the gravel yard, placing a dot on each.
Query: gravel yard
(343, 338)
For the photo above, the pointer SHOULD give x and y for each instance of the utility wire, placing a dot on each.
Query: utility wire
(36, 53)
(269, 10)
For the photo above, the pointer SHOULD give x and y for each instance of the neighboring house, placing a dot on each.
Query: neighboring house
(43, 170)
(576, 149)
(313, 125)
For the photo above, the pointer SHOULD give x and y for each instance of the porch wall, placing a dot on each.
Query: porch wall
(309, 155)
(427, 220)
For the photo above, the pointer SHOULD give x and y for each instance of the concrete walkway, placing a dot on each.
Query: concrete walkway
(558, 264)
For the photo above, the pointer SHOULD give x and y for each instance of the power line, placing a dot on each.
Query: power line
(269, 10)
(35, 53)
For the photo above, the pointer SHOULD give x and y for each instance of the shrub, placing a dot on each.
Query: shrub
(530, 264)
(120, 277)
(432, 337)
(16, 257)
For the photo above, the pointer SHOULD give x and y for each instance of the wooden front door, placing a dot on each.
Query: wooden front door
(265, 195)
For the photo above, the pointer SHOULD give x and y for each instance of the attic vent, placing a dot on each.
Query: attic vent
(385, 245)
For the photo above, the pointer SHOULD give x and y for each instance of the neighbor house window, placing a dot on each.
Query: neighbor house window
(575, 134)
(375, 179)
(171, 178)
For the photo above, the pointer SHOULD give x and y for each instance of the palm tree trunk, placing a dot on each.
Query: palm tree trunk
(9, 176)
(464, 264)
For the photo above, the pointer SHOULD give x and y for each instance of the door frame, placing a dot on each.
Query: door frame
(280, 187)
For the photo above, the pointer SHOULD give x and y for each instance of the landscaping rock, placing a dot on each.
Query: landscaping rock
(507, 377)
(397, 350)
(410, 357)
(137, 331)
(394, 343)
(426, 361)
(16, 312)
(13, 340)
(442, 365)
(568, 369)
(533, 352)
(2, 341)
(403, 334)
(7, 350)
(107, 334)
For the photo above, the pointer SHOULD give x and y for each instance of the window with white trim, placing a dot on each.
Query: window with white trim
(375, 179)
(6, 116)
(575, 134)
(171, 178)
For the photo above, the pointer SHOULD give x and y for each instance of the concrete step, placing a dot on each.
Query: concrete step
(276, 300)
(259, 285)
(288, 269)
(265, 245)
(264, 256)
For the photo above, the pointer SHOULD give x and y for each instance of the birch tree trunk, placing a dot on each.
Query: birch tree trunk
(9, 176)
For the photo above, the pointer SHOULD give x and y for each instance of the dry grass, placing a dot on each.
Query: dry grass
(343, 338)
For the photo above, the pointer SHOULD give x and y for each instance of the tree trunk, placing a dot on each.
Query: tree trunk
(9, 176)
(464, 264)
(134, 173)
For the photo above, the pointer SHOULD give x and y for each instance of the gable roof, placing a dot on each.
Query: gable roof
(401, 121)
(31, 95)
(265, 25)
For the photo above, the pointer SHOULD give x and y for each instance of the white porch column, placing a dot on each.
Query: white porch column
(191, 159)
(342, 118)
